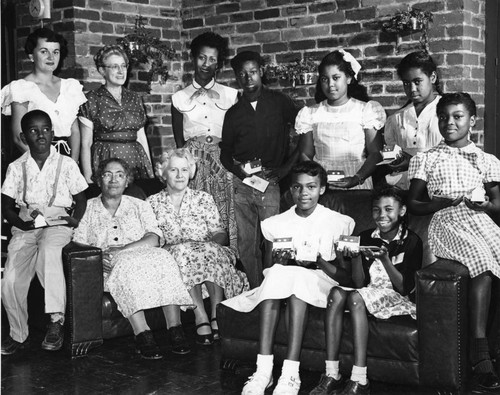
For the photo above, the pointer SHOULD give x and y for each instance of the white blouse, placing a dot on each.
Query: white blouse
(62, 112)
(203, 114)
(413, 134)
(339, 132)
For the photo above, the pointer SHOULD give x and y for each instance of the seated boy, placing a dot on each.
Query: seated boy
(43, 184)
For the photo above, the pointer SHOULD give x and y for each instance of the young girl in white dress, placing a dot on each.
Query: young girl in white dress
(384, 279)
(341, 132)
(414, 127)
(459, 183)
(307, 224)
(43, 90)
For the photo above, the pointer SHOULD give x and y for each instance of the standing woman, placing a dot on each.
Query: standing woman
(112, 121)
(42, 90)
(197, 117)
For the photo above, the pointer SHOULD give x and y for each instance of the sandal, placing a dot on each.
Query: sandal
(204, 340)
(215, 331)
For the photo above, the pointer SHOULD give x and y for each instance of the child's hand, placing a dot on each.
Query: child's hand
(346, 252)
(401, 162)
(71, 221)
(281, 256)
(482, 206)
(25, 225)
(346, 182)
(380, 253)
(442, 201)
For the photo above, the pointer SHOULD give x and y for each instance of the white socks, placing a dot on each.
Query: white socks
(265, 364)
(332, 369)
(290, 368)
(359, 374)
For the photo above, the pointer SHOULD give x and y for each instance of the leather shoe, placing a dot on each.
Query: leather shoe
(204, 340)
(10, 346)
(354, 388)
(329, 386)
(488, 381)
(215, 331)
(146, 346)
(178, 340)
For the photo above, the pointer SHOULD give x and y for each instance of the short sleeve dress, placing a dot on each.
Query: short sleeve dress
(115, 128)
(187, 235)
(338, 133)
(141, 277)
(62, 112)
(380, 297)
(459, 233)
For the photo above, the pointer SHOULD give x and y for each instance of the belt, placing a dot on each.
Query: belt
(208, 139)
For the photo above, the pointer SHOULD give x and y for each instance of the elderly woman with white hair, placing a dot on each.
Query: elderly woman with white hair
(195, 236)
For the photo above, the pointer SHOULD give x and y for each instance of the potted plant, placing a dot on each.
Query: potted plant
(142, 47)
(413, 20)
(301, 72)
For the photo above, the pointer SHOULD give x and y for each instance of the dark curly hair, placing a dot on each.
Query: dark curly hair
(102, 165)
(30, 115)
(419, 60)
(311, 168)
(457, 98)
(50, 36)
(354, 89)
(212, 40)
(398, 195)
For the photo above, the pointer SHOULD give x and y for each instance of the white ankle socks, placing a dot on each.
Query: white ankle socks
(290, 368)
(359, 374)
(332, 369)
(265, 364)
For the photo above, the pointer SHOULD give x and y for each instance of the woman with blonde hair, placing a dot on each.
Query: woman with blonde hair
(196, 238)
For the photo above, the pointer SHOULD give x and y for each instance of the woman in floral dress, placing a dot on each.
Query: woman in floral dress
(138, 274)
(195, 236)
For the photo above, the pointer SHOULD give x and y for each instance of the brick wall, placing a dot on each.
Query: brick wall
(282, 31)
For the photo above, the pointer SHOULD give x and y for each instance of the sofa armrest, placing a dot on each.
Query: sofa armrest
(442, 320)
(84, 290)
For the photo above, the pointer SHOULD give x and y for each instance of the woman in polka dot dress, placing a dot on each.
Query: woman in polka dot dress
(112, 121)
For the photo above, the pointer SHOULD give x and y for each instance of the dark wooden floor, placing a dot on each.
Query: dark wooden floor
(114, 368)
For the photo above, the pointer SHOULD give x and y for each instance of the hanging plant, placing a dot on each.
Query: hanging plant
(142, 47)
(413, 20)
(302, 72)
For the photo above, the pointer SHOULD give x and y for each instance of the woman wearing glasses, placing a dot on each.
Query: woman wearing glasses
(112, 121)
(43, 90)
(138, 274)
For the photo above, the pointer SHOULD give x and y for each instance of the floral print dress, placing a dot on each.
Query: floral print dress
(141, 277)
(187, 237)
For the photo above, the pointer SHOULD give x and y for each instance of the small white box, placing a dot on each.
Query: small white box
(253, 166)
(350, 242)
(477, 195)
(335, 175)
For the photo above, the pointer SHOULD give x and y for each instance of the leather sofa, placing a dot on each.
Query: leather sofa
(429, 352)
(91, 314)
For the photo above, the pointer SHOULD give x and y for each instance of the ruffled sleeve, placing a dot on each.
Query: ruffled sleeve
(74, 91)
(373, 116)
(493, 172)
(18, 91)
(304, 121)
(417, 167)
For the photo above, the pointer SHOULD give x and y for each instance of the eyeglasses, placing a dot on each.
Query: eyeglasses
(108, 176)
(117, 67)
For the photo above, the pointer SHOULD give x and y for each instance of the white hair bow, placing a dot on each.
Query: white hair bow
(354, 63)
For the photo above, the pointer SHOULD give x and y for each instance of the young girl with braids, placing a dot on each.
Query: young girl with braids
(383, 275)
(341, 131)
(414, 127)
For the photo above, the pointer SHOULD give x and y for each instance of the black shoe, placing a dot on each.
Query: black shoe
(10, 346)
(178, 340)
(146, 346)
(215, 332)
(354, 388)
(488, 381)
(204, 340)
(328, 385)
(54, 338)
